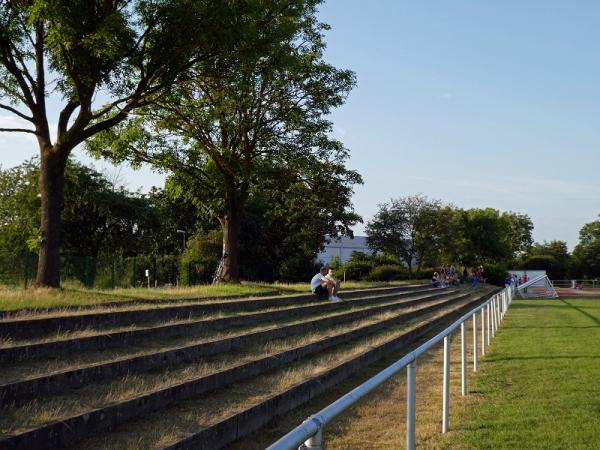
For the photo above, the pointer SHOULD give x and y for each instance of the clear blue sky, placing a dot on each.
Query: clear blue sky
(477, 103)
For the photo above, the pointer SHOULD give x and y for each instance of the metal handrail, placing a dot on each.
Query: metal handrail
(309, 436)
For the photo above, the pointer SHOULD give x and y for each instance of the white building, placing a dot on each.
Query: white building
(343, 248)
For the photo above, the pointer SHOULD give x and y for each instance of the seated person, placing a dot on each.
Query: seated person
(322, 287)
(435, 280)
(336, 282)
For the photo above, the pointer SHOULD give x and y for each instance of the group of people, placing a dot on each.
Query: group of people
(325, 285)
(445, 277)
(478, 276)
(450, 277)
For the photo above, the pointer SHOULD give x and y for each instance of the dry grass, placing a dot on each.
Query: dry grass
(14, 299)
(195, 414)
(30, 369)
(16, 419)
(62, 335)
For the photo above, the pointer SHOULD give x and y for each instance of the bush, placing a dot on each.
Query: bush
(357, 270)
(495, 273)
(388, 273)
(553, 268)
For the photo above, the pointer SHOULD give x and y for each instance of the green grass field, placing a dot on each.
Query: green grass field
(539, 387)
(13, 298)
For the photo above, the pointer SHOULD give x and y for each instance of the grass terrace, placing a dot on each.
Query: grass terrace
(73, 295)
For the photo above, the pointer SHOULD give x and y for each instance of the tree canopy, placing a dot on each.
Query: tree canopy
(101, 60)
(261, 112)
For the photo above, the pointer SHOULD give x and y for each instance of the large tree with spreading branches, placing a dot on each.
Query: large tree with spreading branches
(99, 60)
(265, 105)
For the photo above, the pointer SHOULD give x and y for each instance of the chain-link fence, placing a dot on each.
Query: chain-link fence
(106, 272)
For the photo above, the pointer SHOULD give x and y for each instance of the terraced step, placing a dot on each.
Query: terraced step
(235, 404)
(52, 348)
(240, 424)
(43, 325)
(68, 430)
(24, 390)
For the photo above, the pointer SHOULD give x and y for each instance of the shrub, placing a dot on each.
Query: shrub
(357, 270)
(495, 273)
(388, 273)
(553, 268)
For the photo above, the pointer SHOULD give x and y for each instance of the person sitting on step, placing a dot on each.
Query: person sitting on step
(322, 287)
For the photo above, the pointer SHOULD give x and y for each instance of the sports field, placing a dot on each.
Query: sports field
(539, 387)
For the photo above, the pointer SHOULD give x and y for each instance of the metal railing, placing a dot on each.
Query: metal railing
(576, 284)
(309, 435)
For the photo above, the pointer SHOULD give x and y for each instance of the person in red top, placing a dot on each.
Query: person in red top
(525, 277)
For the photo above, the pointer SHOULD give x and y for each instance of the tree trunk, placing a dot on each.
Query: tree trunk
(229, 269)
(51, 185)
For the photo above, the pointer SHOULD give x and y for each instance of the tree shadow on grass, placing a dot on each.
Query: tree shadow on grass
(582, 311)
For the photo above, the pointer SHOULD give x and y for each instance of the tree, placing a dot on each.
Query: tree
(406, 228)
(587, 252)
(286, 219)
(77, 49)
(519, 231)
(551, 256)
(264, 106)
(113, 220)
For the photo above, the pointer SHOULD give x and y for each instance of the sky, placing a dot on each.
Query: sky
(478, 104)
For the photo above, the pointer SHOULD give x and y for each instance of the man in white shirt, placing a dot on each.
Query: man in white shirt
(321, 287)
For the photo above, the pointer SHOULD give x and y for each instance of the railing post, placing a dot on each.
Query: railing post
(411, 404)
(315, 442)
(463, 357)
(494, 316)
(483, 331)
(474, 342)
(446, 385)
(489, 324)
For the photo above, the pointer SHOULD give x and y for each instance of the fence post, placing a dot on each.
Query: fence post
(411, 402)
(463, 357)
(489, 325)
(493, 312)
(483, 331)
(474, 342)
(315, 442)
(446, 385)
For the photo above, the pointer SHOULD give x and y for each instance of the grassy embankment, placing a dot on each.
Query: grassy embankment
(537, 388)
(13, 298)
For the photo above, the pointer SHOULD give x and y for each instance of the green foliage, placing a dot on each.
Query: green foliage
(586, 254)
(388, 273)
(415, 230)
(558, 267)
(495, 273)
(547, 263)
(257, 121)
(358, 270)
(200, 258)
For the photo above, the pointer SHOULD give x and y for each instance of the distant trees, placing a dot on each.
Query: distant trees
(553, 257)
(586, 255)
(408, 229)
(420, 231)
